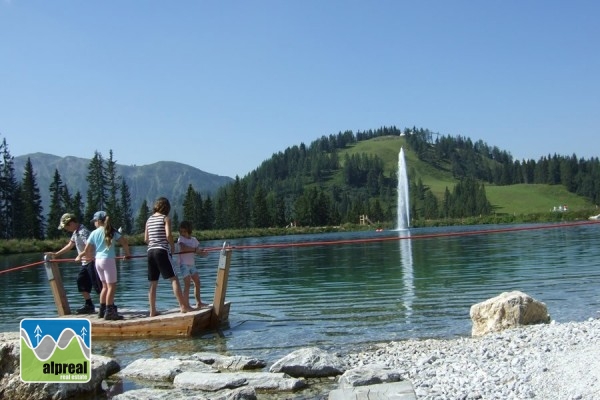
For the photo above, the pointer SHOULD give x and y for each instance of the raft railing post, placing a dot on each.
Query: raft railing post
(218, 313)
(56, 284)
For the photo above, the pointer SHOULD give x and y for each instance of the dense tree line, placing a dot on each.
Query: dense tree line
(22, 215)
(492, 165)
(295, 186)
(20, 201)
(305, 185)
(21, 212)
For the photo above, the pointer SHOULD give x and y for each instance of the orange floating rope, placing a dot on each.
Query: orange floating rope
(22, 267)
(345, 241)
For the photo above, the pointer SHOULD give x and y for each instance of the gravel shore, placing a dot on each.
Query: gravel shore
(550, 361)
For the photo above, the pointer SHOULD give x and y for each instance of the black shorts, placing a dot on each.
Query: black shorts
(88, 279)
(159, 264)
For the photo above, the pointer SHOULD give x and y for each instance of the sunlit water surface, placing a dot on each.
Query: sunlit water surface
(348, 290)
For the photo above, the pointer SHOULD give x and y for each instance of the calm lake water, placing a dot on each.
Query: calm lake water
(345, 290)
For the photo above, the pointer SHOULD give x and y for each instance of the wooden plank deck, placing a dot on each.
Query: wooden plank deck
(170, 323)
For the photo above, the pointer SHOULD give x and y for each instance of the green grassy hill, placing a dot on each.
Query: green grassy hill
(511, 199)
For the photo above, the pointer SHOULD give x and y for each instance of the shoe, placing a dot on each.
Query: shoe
(86, 309)
(102, 311)
(112, 314)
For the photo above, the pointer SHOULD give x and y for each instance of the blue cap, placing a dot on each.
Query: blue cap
(99, 216)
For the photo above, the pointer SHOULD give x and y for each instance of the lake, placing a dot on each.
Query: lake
(341, 291)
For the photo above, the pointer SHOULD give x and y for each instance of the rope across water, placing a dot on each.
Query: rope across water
(345, 241)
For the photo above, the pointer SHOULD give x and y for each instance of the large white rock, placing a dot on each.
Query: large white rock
(309, 362)
(508, 310)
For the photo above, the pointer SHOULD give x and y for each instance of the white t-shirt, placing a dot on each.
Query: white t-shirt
(187, 258)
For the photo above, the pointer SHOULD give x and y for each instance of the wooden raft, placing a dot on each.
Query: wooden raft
(137, 323)
(171, 323)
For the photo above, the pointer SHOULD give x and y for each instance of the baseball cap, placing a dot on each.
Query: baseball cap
(65, 219)
(99, 216)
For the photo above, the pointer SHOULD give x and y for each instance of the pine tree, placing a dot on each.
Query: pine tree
(221, 214)
(96, 193)
(199, 212)
(143, 215)
(57, 208)
(209, 214)
(375, 211)
(260, 210)
(190, 206)
(302, 210)
(238, 205)
(430, 206)
(32, 223)
(65, 199)
(76, 206)
(10, 205)
(126, 213)
(280, 215)
(113, 206)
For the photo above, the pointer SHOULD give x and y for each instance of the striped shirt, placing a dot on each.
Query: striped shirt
(157, 235)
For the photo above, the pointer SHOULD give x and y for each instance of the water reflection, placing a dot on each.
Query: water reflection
(406, 258)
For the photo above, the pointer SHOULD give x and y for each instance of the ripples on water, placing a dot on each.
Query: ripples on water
(345, 295)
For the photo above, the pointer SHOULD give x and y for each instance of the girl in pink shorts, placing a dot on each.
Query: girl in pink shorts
(101, 246)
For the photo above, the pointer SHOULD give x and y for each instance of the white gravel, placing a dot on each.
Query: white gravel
(558, 361)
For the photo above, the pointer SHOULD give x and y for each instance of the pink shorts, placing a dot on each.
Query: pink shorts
(107, 269)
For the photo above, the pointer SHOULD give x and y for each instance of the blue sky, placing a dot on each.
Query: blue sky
(222, 85)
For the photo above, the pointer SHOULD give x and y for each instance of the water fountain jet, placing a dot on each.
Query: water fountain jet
(403, 203)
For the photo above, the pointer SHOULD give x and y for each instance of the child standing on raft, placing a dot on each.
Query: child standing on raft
(188, 248)
(101, 246)
(161, 247)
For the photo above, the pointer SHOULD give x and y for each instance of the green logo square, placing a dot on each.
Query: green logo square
(56, 350)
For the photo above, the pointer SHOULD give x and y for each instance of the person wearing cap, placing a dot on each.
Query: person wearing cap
(101, 245)
(87, 278)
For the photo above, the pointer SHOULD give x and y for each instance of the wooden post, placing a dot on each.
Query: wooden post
(58, 289)
(221, 286)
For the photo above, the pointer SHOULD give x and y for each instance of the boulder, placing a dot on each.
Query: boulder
(273, 381)
(243, 393)
(393, 391)
(226, 363)
(507, 310)
(370, 374)
(210, 382)
(260, 381)
(162, 369)
(309, 362)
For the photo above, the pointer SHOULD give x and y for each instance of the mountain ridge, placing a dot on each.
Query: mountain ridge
(146, 182)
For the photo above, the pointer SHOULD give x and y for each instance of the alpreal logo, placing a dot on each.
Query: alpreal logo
(56, 350)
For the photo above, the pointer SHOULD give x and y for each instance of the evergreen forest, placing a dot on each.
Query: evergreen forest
(334, 180)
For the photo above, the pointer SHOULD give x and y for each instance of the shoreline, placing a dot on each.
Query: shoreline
(554, 361)
(545, 361)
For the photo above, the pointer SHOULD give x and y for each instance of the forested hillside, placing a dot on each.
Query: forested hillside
(332, 181)
(337, 178)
